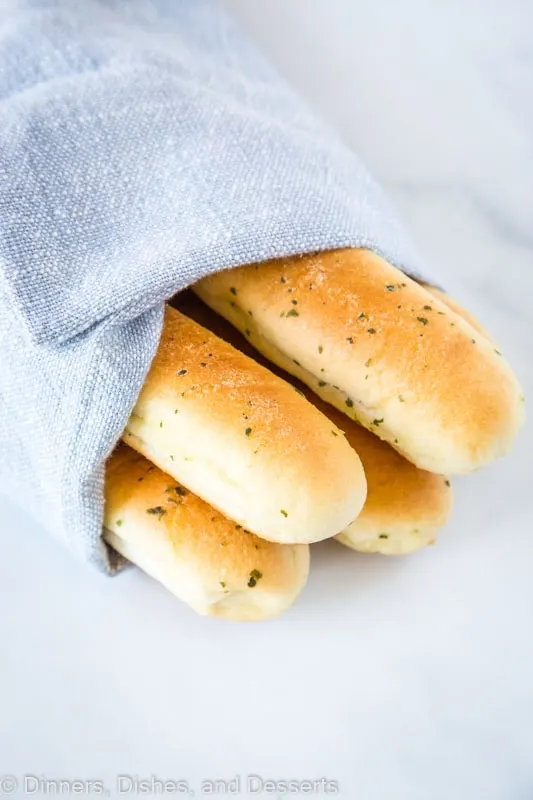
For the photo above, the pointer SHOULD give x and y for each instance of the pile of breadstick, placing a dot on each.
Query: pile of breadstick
(323, 395)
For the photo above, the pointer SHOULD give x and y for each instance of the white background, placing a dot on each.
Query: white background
(399, 679)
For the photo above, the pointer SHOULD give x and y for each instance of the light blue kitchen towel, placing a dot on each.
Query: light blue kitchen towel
(143, 144)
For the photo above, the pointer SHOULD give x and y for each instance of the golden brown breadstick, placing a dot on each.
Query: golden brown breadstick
(375, 344)
(206, 560)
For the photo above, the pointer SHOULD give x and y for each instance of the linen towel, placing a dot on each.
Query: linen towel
(143, 145)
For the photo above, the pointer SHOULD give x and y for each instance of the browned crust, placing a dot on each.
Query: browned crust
(399, 494)
(196, 371)
(445, 394)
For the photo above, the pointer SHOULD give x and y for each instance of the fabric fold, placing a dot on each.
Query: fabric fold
(143, 145)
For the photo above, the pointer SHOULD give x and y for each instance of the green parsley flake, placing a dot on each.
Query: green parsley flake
(157, 511)
(255, 576)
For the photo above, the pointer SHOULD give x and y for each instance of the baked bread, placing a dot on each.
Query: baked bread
(380, 348)
(206, 560)
(405, 506)
(455, 306)
(243, 439)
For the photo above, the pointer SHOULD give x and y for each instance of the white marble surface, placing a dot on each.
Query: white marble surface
(399, 679)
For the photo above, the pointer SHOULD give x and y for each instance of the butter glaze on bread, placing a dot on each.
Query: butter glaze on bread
(206, 560)
(405, 506)
(380, 348)
(243, 439)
